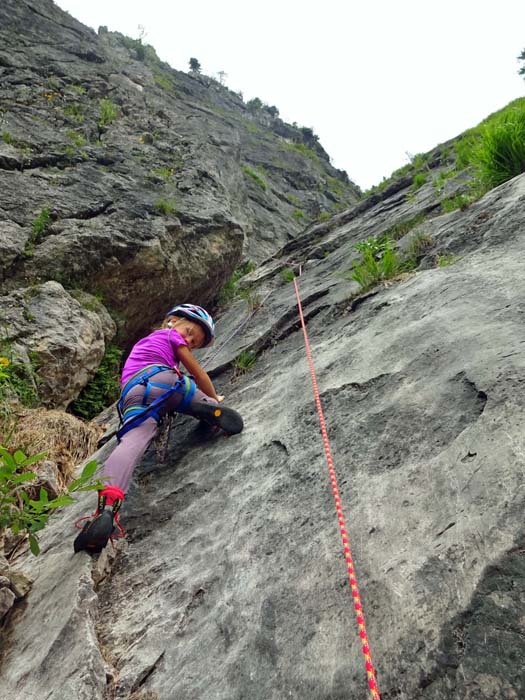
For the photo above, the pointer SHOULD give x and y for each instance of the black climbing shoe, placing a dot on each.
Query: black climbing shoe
(223, 417)
(96, 533)
(103, 525)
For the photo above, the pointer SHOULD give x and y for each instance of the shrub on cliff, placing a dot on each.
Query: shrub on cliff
(496, 148)
(25, 512)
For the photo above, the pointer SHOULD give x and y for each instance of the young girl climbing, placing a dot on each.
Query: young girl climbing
(153, 386)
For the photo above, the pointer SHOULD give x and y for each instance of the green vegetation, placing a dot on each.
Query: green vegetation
(495, 149)
(76, 138)
(40, 224)
(304, 150)
(195, 66)
(21, 509)
(418, 181)
(399, 230)
(244, 362)
(230, 290)
(7, 138)
(135, 45)
(446, 260)
(38, 227)
(417, 247)
(250, 126)
(287, 274)
(166, 206)
(162, 81)
(337, 186)
(459, 201)
(379, 261)
(259, 179)
(103, 389)
(162, 173)
(444, 175)
(78, 89)
(254, 105)
(17, 380)
(324, 216)
(74, 112)
(298, 214)
(108, 112)
(252, 298)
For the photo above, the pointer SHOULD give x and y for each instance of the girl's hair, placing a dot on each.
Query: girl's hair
(164, 324)
(168, 319)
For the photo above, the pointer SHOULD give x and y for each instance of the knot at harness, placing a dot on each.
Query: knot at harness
(137, 413)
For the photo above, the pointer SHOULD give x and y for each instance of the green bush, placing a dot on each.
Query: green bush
(288, 274)
(244, 361)
(255, 176)
(162, 173)
(230, 289)
(303, 149)
(103, 389)
(379, 261)
(17, 380)
(298, 214)
(23, 514)
(495, 149)
(135, 45)
(76, 138)
(500, 152)
(38, 227)
(418, 181)
(108, 112)
(166, 206)
(74, 112)
(459, 201)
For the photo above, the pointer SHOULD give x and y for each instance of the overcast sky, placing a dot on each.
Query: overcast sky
(375, 80)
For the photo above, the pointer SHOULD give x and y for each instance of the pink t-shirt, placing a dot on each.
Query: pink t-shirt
(157, 348)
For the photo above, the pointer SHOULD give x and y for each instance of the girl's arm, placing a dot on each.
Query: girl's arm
(201, 377)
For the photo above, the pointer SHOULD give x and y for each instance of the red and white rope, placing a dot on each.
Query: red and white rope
(365, 646)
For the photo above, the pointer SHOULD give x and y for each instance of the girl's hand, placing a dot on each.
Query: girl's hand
(220, 398)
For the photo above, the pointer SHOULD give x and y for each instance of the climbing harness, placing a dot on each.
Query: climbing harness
(370, 671)
(137, 414)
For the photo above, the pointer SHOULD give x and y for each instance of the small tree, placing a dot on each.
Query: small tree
(254, 105)
(222, 75)
(272, 109)
(195, 66)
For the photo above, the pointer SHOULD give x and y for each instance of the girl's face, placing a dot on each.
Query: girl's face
(192, 333)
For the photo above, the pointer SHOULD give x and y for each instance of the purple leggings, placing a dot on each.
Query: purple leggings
(118, 468)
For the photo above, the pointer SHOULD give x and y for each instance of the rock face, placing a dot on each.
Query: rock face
(124, 177)
(61, 339)
(233, 584)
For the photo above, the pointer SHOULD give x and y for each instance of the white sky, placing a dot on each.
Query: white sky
(375, 80)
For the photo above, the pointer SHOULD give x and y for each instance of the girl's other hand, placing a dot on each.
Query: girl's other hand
(220, 398)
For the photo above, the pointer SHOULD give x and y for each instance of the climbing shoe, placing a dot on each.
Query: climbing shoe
(221, 417)
(103, 525)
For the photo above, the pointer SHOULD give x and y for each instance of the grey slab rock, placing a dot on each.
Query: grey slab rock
(233, 584)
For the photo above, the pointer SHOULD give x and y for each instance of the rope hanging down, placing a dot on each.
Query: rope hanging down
(370, 671)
